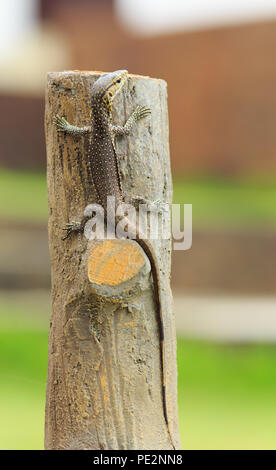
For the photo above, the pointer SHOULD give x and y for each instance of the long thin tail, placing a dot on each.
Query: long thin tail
(148, 249)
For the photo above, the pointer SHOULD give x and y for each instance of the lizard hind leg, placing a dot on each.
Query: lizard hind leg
(155, 206)
(71, 227)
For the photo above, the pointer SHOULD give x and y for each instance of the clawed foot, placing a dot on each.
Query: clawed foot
(155, 206)
(141, 112)
(60, 123)
(73, 226)
(159, 206)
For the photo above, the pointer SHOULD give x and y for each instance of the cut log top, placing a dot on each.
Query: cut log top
(113, 262)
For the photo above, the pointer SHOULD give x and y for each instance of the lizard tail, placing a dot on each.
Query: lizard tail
(148, 249)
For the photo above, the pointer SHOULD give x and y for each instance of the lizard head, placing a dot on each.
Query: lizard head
(107, 87)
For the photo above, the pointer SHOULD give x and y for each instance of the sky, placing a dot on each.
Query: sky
(157, 16)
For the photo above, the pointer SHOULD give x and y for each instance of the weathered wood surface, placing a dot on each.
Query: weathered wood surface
(104, 372)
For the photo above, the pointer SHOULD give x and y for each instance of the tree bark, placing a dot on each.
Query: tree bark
(104, 387)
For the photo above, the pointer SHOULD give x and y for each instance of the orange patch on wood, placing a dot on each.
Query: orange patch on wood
(114, 262)
(103, 380)
(130, 323)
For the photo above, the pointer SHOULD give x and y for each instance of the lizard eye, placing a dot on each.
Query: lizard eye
(118, 81)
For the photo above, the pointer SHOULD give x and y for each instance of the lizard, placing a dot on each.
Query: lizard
(104, 171)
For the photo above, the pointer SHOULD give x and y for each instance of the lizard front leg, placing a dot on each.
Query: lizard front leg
(139, 113)
(64, 126)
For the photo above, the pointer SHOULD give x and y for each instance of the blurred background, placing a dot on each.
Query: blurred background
(219, 61)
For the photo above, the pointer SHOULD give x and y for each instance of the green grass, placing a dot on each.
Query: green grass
(23, 368)
(244, 203)
(226, 396)
(23, 196)
(226, 393)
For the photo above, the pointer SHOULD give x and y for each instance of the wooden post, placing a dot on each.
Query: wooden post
(104, 387)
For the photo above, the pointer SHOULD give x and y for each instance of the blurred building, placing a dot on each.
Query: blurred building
(222, 102)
